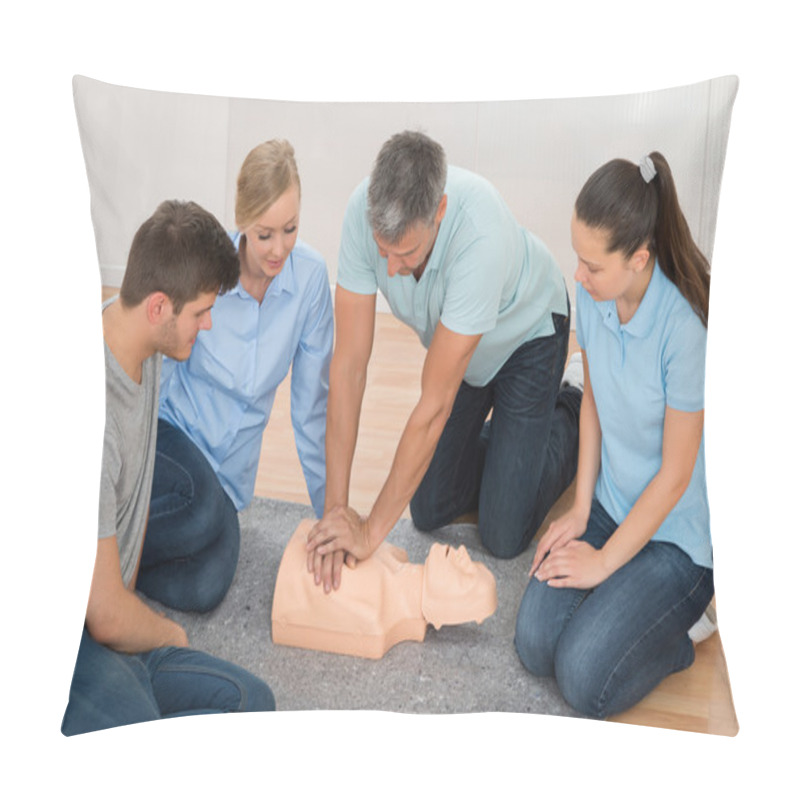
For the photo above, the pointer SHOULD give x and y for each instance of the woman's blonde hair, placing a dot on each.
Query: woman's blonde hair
(266, 173)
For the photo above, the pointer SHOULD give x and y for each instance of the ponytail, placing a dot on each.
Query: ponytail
(638, 207)
(679, 257)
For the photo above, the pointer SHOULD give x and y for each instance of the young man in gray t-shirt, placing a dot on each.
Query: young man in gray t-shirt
(180, 259)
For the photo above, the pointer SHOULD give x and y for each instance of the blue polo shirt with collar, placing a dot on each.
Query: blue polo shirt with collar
(655, 360)
(486, 274)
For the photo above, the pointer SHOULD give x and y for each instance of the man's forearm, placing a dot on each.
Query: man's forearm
(129, 625)
(442, 373)
(117, 617)
(344, 412)
(412, 458)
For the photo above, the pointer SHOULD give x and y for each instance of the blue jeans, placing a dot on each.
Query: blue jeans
(191, 547)
(513, 468)
(610, 646)
(110, 688)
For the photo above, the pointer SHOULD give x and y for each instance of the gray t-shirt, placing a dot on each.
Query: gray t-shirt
(129, 449)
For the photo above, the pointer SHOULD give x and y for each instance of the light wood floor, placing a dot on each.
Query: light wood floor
(698, 699)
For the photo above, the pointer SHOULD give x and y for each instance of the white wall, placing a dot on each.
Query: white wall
(142, 147)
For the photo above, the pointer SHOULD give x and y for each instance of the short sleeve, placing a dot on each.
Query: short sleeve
(473, 290)
(685, 362)
(356, 270)
(109, 477)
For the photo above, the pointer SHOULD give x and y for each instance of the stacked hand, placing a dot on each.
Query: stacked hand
(340, 537)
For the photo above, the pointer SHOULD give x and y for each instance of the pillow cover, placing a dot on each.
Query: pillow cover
(141, 147)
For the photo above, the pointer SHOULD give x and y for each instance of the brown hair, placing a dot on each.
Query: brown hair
(181, 250)
(268, 170)
(638, 213)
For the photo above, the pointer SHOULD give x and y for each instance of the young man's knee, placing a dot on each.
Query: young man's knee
(259, 697)
(213, 579)
(248, 692)
(215, 525)
(206, 599)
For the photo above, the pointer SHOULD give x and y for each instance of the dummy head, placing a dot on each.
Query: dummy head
(455, 589)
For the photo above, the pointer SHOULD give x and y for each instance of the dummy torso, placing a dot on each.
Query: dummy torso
(382, 601)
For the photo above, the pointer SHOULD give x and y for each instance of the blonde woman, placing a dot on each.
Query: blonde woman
(215, 406)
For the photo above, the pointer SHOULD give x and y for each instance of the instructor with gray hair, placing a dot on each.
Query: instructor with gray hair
(489, 304)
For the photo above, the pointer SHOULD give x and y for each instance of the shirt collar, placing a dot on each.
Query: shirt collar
(645, 316)
(284, 281)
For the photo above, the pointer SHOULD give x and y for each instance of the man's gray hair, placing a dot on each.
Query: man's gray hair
(406, 184)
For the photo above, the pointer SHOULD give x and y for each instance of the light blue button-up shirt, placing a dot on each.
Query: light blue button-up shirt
(222, 395)
(637, 369)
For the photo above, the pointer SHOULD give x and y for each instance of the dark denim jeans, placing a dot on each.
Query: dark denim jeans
(513, 468)
(110, 688)
(610, 646)
(191, 547)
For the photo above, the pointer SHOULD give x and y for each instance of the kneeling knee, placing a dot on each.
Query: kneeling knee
(206, 599)
(528, 653)
(532, 650)
(258, 697)
(582, 688)
(422, 515)
(501, 543)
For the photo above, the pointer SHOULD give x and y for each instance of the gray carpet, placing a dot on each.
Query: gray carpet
(464, 668)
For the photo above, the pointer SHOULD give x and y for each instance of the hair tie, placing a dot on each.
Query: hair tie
(647, 168)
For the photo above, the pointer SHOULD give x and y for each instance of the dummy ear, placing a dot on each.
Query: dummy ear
(159, 308)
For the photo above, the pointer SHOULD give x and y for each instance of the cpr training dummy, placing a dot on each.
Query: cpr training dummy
(380, 602)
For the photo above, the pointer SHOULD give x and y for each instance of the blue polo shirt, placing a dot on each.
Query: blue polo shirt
(486, 274)
(655, 360)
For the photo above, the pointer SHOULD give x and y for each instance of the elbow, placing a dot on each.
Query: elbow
(102, 624)
(440, 418)
(346, 375)
(675, 484)
(434, 416)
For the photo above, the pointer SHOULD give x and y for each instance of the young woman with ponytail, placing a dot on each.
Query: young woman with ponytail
(619, 580)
